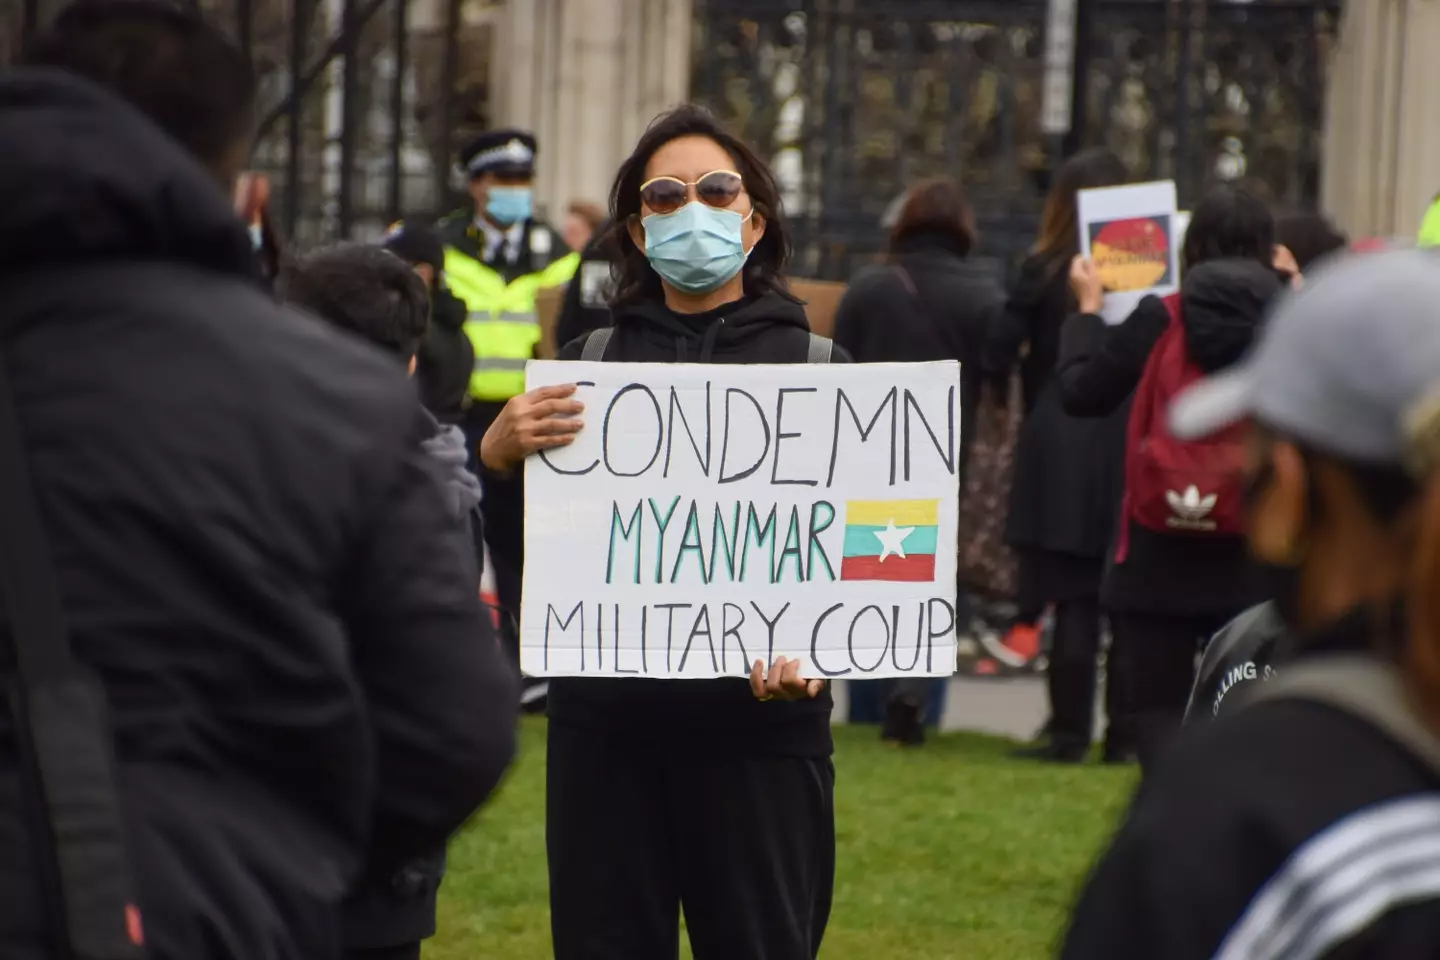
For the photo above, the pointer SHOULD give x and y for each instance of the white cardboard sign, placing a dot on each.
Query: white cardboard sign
(708, 516)
(1128, 233)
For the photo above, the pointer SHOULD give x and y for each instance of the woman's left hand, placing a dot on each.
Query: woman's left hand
(782, 682)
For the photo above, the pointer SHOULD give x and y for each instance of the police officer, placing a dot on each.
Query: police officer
(498, 256)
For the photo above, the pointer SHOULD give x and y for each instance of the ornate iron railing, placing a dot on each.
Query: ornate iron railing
(357, 128)
(851, 100)
(854, 99)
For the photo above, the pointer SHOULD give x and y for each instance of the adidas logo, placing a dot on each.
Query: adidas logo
(1190, 510)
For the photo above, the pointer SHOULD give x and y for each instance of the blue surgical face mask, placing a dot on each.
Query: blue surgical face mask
(507, 205)
(697, 248)
(257, 237)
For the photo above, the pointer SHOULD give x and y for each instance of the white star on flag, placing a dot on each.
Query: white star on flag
(892, 539)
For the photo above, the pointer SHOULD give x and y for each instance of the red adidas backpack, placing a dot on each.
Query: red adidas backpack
(1188, 488)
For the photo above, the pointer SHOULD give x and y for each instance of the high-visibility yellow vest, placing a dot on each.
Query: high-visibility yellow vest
(1430, 226)
(501, 323)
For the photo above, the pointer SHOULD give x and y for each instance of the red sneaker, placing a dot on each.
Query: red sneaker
(1019, 646)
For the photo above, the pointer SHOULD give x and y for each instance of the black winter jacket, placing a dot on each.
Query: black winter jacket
(252, 551)
(701, 716)
(1068, 470)
(1222, 304)
(1282, 829)
(446, 358)
(394, 907)
(881, 319)
(584, 307)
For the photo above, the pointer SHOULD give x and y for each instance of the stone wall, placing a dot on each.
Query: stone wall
(587, 76)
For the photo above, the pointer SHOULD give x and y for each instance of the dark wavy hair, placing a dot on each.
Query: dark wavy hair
(364, 289)
(1059, 239)
(635, 279)
(1230, 222)
(938, 209)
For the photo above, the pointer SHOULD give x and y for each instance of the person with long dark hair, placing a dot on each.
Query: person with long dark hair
(714, 795)
(1067, 474)
(928, 301)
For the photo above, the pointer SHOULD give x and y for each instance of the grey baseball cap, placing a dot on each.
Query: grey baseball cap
(1345, 364)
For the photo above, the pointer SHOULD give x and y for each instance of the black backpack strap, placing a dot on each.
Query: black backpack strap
(1367, 688)
(821, 349)
(595, 344)
(65, 739)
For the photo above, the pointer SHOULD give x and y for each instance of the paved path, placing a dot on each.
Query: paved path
(1012, 707)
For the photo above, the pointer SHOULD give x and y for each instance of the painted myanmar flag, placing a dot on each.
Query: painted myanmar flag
(890, 540)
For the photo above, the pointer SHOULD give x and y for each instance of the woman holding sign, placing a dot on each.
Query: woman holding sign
(714, 795)
(1067, 474)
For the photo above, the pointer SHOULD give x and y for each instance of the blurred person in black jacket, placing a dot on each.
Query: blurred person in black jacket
(1170, 593)
(929, 301)
(586, 305)
(376, 296)
(1068, 476)
(1292, 827)
(253, 551)
(446, 356)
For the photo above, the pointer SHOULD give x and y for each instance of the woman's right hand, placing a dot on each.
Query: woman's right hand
(538, 419)
(1085, 284)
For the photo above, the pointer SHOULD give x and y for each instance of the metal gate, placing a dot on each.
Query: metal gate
(854, 99)
(363, 101)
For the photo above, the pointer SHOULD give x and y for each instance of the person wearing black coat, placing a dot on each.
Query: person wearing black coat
(366, 292)
(1303, 822)
(1171, 593)
(927, 302)
(1067, 477)
(446, 356)
(251, 547)
(715, 796)
(585, 307)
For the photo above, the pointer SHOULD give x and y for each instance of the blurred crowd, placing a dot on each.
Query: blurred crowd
(247, 497)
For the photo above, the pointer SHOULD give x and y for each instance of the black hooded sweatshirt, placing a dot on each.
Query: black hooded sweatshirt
(446, 358)
(252, 550)
(702, 715)
(1222, 303)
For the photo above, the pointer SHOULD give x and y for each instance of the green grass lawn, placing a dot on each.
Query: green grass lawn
(949, 851)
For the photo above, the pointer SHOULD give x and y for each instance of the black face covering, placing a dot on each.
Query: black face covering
(1278, 581)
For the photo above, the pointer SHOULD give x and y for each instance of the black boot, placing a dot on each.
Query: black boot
(904, 721)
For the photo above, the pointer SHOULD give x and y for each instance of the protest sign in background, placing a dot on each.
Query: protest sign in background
(1128, 233)
(711, 515)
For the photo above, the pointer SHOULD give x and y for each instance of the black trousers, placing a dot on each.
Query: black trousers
(502, 511)
(745, 845)
(1153, 656)
(1071, 677)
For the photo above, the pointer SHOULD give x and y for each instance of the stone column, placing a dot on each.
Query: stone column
(1381, 162)
(587, 76)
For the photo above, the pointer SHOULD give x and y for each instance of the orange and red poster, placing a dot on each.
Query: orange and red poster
(1129, 234)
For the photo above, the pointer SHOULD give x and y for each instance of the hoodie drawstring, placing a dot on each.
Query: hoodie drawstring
(707, 342)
